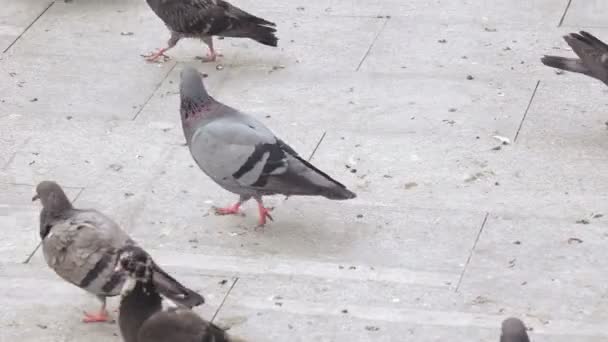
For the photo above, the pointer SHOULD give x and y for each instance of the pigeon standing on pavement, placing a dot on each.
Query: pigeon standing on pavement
(513, 330)
(142, 317)
(242, 155)
(81, 246)
(204, 19)
(592, 53)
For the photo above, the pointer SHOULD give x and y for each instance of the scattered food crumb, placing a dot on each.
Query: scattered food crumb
(452, 110)
(129, 194)
(598, 216)
(487, 29)
(116, 167)
(69, 117)
(219, 67)
(559, 72)
(34, 99)
(344, 311)
(517, 242)
(442, 41)
(410, 185)
(359, 215)
(470, 77)
(371, 328)
(503, 140)
(574, 240)
(126, 33)
(583, 221)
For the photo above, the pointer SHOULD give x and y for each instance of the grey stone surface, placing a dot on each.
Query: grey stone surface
(451, 231)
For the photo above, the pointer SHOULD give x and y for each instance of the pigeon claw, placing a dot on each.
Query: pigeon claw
(99, 317)
(264, 213)
(154, 56)
(231, 210)
(211, 57)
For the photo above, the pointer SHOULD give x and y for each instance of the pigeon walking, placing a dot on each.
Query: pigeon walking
(204, 19)
(592, 56)
(513, 330)
(243, 156)
(141, 314)
(81, 247)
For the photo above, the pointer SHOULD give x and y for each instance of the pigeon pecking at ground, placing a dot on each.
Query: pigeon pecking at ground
(592, 53)
(142, 317)
(81, 246)
(204, 19)
(513, 330)
(242, 155)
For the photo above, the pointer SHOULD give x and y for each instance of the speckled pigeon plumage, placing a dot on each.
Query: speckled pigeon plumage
(142, 317)
(592, 53)
(204, 19)
(513, 330)
(81, 245)
(242, 155)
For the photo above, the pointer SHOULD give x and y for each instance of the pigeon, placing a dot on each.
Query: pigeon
(81, 246)
(242, 155)
(204, 19)
(141, 314)
(513, 330)
(592, 53)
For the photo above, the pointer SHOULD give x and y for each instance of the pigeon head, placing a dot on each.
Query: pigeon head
(513, 330)
(191, 89)
(52, 197)
(135, 263)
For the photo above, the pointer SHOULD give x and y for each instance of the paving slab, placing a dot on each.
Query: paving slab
(16, 17)
(587, 14)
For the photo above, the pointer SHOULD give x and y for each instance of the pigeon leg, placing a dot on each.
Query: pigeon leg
(233, 209)
(264, 212)
(101, 316)
(211, 57)
(153, 56)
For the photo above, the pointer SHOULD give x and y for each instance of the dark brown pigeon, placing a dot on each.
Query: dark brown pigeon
(142, 317)
(204, 19)
(592, 53)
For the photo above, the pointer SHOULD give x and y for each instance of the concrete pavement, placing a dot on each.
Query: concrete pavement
(451, 231)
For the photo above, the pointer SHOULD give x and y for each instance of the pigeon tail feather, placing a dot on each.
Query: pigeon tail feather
(332, 189)
(563, 63)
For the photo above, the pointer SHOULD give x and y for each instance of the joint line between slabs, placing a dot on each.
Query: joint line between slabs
(369, 50)
(28, 27)
(521, 124)
(224, 300)
(561, 21)
(464, 270)
(141, 109)
(312, 154)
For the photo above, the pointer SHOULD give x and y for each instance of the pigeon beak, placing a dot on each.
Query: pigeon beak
(35, 198)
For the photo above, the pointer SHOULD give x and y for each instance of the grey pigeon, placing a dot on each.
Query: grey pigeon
(204, 19)
(81, 245)
(513, 330)
(141, 314)
(592, 53)
(242, 155)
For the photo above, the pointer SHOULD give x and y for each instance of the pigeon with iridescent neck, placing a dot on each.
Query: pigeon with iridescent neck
(243, 156)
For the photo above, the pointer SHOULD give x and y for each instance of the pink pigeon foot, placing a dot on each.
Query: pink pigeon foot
(211, 57)
(264, 213)
(154, 56)
(231, 210)
(101, 316)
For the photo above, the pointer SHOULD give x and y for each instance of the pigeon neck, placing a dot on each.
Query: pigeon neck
(195, 110)
(136, 307)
